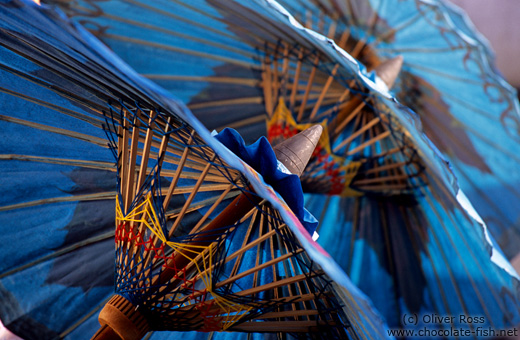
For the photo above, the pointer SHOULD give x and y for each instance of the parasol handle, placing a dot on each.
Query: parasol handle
(120, 320)
(106, 333)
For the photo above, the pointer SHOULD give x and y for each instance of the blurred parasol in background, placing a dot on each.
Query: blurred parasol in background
(68, 108)
(449, 78)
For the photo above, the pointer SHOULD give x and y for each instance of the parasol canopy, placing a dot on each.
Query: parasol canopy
(65, 99)
(450, 79)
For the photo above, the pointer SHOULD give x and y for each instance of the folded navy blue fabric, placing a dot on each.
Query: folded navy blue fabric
(260, 156)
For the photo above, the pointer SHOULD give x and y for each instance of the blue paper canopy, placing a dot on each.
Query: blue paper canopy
(449, 78)
(66, 104)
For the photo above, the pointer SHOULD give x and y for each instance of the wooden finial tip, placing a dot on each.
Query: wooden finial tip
(296, 151)
(389, 70)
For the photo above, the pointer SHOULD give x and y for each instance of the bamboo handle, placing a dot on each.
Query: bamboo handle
(120, 320)
(105, 333)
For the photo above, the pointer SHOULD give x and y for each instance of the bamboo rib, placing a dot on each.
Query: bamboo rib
(310, 80)
(255, 269)
(130, 188)
(260, 247)
(190, 198)
(363, 128)
(296, 79)
(245, 246)
(177, 175)
(145, 154)
(278, 284)
(267, 85)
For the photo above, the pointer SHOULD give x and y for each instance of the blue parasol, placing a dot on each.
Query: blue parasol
(449, 78)
(69, 107)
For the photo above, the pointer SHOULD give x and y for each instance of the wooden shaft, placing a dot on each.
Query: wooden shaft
(240, 206)
(106, 333)
(121, 320)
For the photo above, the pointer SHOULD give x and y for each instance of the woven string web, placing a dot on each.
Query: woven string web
(250, 275)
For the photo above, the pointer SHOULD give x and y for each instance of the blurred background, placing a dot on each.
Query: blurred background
(499, 22)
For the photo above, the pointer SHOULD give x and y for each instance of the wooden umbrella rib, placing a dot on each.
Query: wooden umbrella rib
(73, 198)
(310, 81)
(177, 175)
(291, 288)
(108, 166)
(141, 227)
(342, 123)
(122, 148)
(68, 133)
(239, 254)
(276, 326)
(305, 286)
(308, 18)
(130, 188)
(359, 121)
(171, 214)
(260, 247)
(342, 42)
(277, 284)
(275, 80)
(296, 79)
(244, 122)
(254, 243)
(332, 30)
(180, 50)
(340, 104)
(288, 314)
(271, 245)
(195, 175)
(323, 92)
(255, 269)
(251, 82)
(364, 127)
(398, 178)
(368, 143)
(143, 169)
(146, 25)
(225, 192)
(59, 252)
(225, 102)
(377, 169)
(190, 198)
(267, 85)
(285, 72)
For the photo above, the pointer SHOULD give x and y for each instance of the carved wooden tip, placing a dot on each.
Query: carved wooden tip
(296, 151)
(389, 70)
